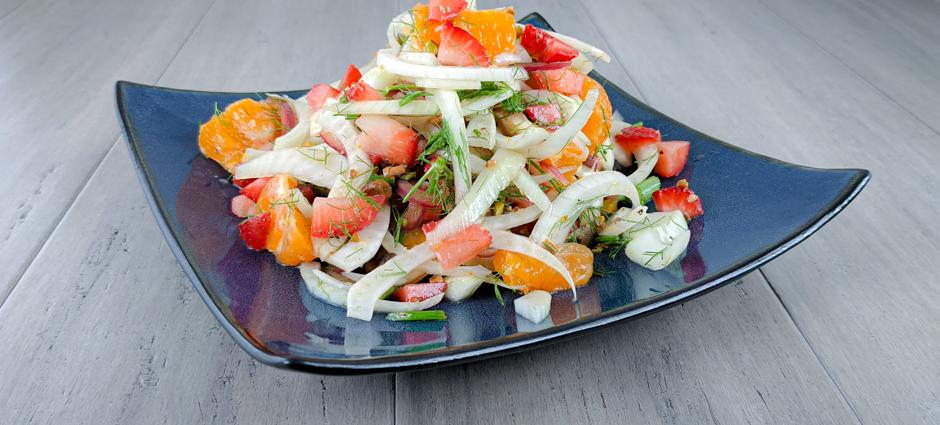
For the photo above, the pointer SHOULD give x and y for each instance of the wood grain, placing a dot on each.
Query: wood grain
(60, 60)
(861, 290)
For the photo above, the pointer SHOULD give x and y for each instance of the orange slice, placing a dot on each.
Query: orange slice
(493, 28)
(531, 274)
(597, 128)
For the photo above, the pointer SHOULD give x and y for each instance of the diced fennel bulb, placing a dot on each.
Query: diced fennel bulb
(657, 245)
(460, 288)
(317, 165)
(623, 220)
(534, 306)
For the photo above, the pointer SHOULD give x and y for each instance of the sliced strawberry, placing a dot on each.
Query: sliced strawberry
(307, 191)
(565, 81)
(462, 246)
(415, 292)
(672, 158)
(417, 214)
(352, 75)
(243, 206)
(633, 138)
(332, 141)
(388, 139)
(459, 48)
(445, 10)
(335, 217)
(360, 91)
(544, 48)
(678, 199)
(546, 115)
(318, 95)
(254, 231)
(253, 189)
(242, 182)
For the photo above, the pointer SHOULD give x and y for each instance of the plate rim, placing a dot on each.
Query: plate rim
(498, 346)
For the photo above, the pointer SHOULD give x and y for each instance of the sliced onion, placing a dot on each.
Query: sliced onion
(433, 83)
(452, 115)
(363, 294)
(555, 224)
(656, 246)
(317, 165)
(557, 140)
(336, 292)
(512, 219)
(385, 107)
(623, 220)
(532, 191)
(556, 173)
(508, 241)
(460, 288)
(387, 59)
(500, 171)
(544, 66)
(355, 253)
(481, 131)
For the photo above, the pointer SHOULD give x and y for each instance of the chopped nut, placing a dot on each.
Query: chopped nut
(394, 171)
(436, 279)
(682, 184)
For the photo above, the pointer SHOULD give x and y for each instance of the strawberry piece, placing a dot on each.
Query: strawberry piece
(672, 158)
(254, 231)
(565, 81)
(459, 48)
(445, 10)
(387, 139)
(318, 95)
(415, 292)
(678, 199)
(360, 91)
(242, 182)
(546, 115)
(352, 75)
(462, 246)
(335, 217)
(632, 138)
(243, 206)
(542, 47)
(307, 191)
(330, 139)
(253, 189)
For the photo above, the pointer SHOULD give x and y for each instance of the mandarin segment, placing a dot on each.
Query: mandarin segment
(257, 122)
(289, 235)
(530, 274)
(494, 28)
(277, 190)
(425, 30)
(597, 129)
(219, 141)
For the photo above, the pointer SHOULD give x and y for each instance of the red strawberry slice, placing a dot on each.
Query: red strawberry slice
(330, 139)
(565, 81)
(360, 91)
(243, 206)
(545, 115)
(318, 95)
(462, 246)
(388, 139)
(335, 217)
(415, 292)
(459, 48)
(253, 189)
(445, 10)
(672, 158)
(242, 182)
(544, 48)
(352, 75)
(254, 231)
(634, 138)
(679, 198)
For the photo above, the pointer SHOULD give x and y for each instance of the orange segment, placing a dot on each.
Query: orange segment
(571, 156)
(425, 30)
(493, 28)
(256, 121)
(412, 238)
(219, 141)
(531, 274)
(277, 190)
(597, 128)
(289, 235)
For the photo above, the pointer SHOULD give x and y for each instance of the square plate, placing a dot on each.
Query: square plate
(266, 308)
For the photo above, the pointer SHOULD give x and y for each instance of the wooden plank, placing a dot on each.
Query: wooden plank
(123, 337)
(728, 357)
(60, 60)
(859, 290)
(116, 334)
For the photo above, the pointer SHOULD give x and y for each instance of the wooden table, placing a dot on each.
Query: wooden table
(99, 325)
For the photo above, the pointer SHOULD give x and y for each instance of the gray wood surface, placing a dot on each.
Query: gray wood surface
(102, 327)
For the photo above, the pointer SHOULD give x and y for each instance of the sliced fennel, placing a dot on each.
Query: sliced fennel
(532, 191)
(532, 135)
(388, 242)
(578, 45)
(336, 292)
(384, 107)
(513, 219)
(534, 306)
(460, 288)
(363, 295)
(300, 201)
(388, 60)
(555, 223)
(623, 220)
(646, 159)
(557, 140)
(300, 134)
(481, 131)
(452, 115)
(484, 103)
(500, 171)
(378, 78)
(317, 165)
(658, 245)
(508, 241)
(434, 267)
(355, 253)
(433, 83)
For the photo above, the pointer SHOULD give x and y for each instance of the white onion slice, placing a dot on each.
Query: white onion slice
(557, 140)
(508, 241)
(623, 220)
(387, 59)
(385, 107)
(555, 223)
(500, 171)
(433, 83)
(317, 165)
(460, 288)
(481, 131)
(657, 245)
(300, 134)
(512, 219)
(532, 191)
(336, 292)
(452, 115)
(355, 253)
(363, 294)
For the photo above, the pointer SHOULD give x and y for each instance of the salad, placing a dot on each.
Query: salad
(471, 150)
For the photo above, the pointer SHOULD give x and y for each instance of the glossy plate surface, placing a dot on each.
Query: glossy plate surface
(755, 209)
